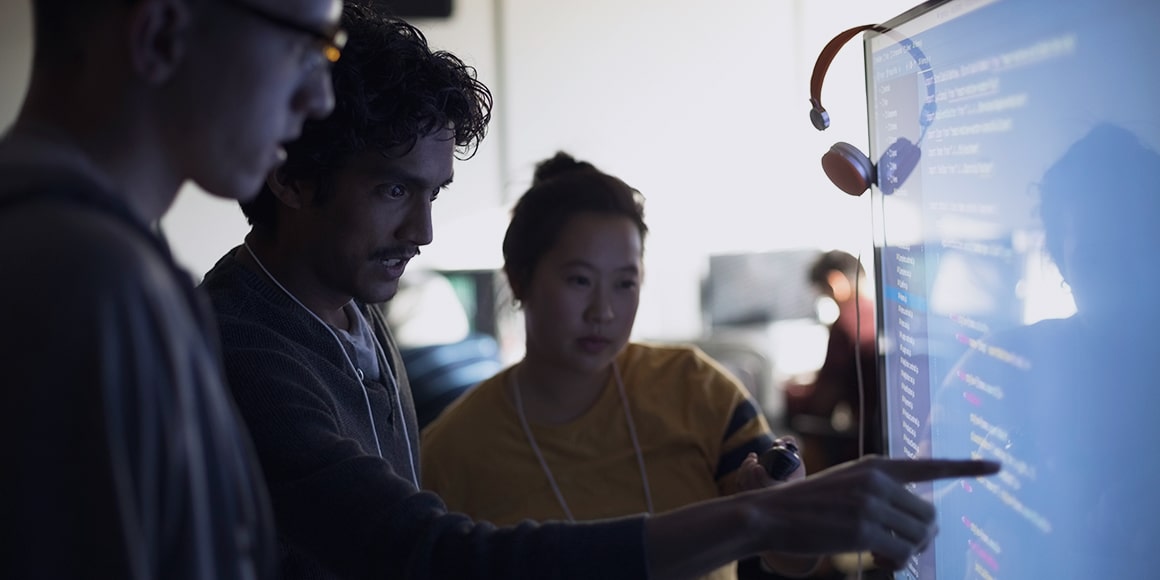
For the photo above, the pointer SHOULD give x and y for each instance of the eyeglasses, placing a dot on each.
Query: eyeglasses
(332, 41)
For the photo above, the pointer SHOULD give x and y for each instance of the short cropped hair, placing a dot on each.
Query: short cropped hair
(390, 90)
(58, 27)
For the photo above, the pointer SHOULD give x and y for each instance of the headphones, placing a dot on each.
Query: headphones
(846, 166)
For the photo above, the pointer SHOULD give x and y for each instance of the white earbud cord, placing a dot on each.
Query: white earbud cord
(544, 464)
(357, 372)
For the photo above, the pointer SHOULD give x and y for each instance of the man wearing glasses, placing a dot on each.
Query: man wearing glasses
(123, 455)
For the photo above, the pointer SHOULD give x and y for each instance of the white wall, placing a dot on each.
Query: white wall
(702, 105)
(470, 216)
(15, 57)
(699, 104)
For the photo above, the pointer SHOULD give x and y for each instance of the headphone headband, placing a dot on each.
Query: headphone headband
(818, 115)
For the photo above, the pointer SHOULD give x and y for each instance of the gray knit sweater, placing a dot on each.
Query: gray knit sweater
(344, 512)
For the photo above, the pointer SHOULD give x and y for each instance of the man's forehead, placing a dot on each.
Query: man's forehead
(325, 13)
(419, 163)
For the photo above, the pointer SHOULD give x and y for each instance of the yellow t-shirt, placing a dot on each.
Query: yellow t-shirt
(695, 423)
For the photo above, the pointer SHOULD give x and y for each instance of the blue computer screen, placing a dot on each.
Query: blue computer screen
(1017, 267)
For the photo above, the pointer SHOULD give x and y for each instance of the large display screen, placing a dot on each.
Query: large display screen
(1018, 266)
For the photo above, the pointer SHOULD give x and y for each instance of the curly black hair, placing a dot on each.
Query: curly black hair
(390, 90)
(562, 188)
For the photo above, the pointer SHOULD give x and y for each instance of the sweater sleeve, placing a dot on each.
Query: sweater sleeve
(75, 399)
(360, 518)
(121, 453)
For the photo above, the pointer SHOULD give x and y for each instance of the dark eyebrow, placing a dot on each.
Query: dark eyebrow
(631, 269)
(400, 175)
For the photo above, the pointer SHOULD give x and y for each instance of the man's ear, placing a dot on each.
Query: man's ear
(288, 191)
(159, 37)
(840, 287)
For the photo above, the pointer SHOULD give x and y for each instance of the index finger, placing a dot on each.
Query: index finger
(912, 470)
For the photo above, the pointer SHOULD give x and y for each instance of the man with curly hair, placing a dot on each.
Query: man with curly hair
(315, 371)
(320, 383)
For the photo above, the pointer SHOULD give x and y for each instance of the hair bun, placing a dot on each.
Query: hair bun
(558, 165)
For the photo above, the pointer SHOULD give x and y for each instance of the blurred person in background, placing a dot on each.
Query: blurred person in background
(841, 404)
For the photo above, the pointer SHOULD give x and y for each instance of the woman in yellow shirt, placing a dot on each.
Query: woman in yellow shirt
(588, 425)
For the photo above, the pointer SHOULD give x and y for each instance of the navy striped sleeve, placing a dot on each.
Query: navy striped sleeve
(745, 412)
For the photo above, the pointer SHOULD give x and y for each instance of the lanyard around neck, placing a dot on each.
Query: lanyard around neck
(357, 371)
(544, 464)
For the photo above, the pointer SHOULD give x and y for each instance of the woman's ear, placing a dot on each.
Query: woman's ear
(515, 284)
(289, 191)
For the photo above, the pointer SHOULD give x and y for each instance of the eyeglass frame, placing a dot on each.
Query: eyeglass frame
(333, 41)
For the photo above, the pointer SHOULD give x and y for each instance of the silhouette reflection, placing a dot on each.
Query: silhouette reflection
(1073, 400)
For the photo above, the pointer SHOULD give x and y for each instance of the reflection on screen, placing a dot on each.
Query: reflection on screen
(1017, 274)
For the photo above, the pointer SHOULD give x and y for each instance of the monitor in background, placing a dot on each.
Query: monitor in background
(1016, 279)
(728, 299)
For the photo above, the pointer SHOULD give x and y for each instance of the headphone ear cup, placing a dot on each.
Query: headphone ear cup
(896, 165)
(848, 168)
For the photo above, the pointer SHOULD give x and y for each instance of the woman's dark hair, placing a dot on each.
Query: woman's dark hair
(390, 90)
(561, 188)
